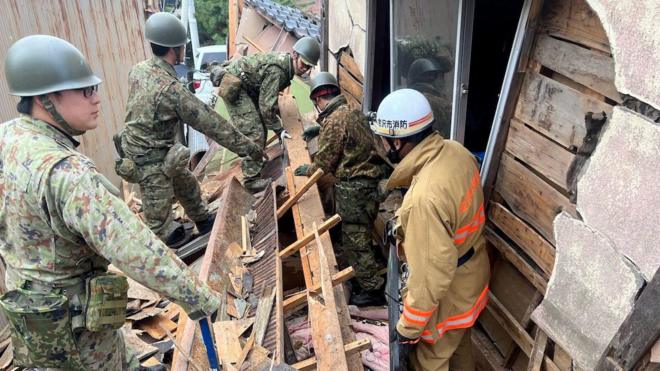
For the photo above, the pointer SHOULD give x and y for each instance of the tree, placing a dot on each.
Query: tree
(212, 21)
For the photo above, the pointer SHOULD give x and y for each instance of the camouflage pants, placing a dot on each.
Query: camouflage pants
(245, 115)
(159, 193)
(355, 202)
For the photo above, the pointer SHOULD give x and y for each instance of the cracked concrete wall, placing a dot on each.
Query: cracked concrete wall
(634, 33)
(347, 27)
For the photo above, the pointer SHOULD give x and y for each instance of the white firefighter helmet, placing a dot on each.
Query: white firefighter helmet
(402, 113)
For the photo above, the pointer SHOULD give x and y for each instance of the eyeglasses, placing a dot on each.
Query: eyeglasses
(89, 90)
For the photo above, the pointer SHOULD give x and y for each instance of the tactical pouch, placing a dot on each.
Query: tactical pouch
(127, 170)
(230, 88)
(176, 160)
(41, 329)
(107, 296)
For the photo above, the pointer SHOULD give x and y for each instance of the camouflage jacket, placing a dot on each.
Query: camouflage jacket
(264, 76)
(346, 144)
(158, 103)
(59, 221)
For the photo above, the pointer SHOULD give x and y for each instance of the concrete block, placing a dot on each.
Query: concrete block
(339, 24)
(358, 46)
(358, 11)
(634, 33)
(591, 291)
(618, 193)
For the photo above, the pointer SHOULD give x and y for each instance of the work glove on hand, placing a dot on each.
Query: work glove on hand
(311, 132)
(302, 170)
(284, 135)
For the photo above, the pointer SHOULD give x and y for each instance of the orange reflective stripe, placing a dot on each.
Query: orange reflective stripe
(414, 321)
(466, 319)
(427, 337)
(475, 223)
(417, 311)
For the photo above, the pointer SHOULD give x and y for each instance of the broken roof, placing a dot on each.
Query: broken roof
(290, 19)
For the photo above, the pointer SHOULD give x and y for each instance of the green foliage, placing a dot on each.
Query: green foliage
(212, 21)
(291, 3)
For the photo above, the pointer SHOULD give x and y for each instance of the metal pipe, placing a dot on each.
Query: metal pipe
(462, 69)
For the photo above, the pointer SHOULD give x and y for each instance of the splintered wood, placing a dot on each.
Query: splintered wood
(329, 317)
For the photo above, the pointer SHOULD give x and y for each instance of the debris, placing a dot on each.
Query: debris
(154, 325)
(144, 313)
(263, 314)
(139, 347)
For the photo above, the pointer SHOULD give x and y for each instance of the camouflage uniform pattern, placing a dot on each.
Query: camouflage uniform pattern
(59, 222)
(347, 150)
(255, 111)
(157, 105)
(440, 105)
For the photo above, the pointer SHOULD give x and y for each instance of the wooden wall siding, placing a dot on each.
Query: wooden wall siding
(570, 72)
(350, 79)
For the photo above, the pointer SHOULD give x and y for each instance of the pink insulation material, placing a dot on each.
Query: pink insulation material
(376, 359)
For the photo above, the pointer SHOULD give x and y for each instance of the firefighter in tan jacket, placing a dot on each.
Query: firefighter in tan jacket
(439, 232)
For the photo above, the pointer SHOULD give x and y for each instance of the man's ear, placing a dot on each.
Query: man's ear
(398, 143)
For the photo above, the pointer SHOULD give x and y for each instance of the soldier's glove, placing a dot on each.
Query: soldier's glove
(284, 135)
(406, 346)
(302, 170)
(217, 72)
(311, 132)
(257, 153)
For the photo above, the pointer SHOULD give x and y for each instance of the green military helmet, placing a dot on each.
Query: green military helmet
(308, 49)
(165, 29)
(41, 64)
(320, 80)
(424, 65)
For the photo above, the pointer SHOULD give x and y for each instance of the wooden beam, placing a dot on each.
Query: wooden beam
(349, 63)
(486, 356)
(349, 83)
(299, 244)
(307, 211)
(534, 277)
(513, 328)
(299, 192)
(300, 298)
(638, 332)
(208, 156)
(532, 243)
(351, 348)
(538, 351)
(260, 49)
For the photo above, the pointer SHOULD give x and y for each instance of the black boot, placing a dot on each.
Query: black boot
(177, 236)
(206, 225)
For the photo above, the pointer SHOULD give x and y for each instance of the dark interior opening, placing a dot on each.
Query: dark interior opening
(381, 74)
(495, 25)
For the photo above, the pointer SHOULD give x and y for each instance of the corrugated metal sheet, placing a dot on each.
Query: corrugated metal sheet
(108, 32)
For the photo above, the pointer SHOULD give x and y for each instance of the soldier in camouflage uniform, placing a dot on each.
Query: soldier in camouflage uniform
(426, 76)
(347, 150)
(61, 223)
(250, 87)
(157, 105)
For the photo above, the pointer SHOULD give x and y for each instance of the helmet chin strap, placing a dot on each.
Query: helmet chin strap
(50, 107)
(393, 153)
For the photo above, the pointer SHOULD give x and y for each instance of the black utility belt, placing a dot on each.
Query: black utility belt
(465, 257)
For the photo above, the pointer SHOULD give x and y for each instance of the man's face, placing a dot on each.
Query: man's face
(299, 66)
(80, 108)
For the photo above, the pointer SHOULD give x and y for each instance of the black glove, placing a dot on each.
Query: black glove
(217, 72)
(311, 132)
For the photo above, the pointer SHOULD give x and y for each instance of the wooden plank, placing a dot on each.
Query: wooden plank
(592, 69)
(233, 27)
(534, 277)
(533, 244)
(486, 356)
(300, 298)
(519, 335)
(531, 198)
(525, 322)
(264, 308)
(154, 326)
(352, 348)
(214, 269)
(299, 192)
(348, 82)
(555, 109)
(208, 156)
(306, 239)
(540, 153)
(638, 332)
(575, 21)
(353, 102)
(538, 351)
(307, 211)
(227, 341)
(349, 64)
